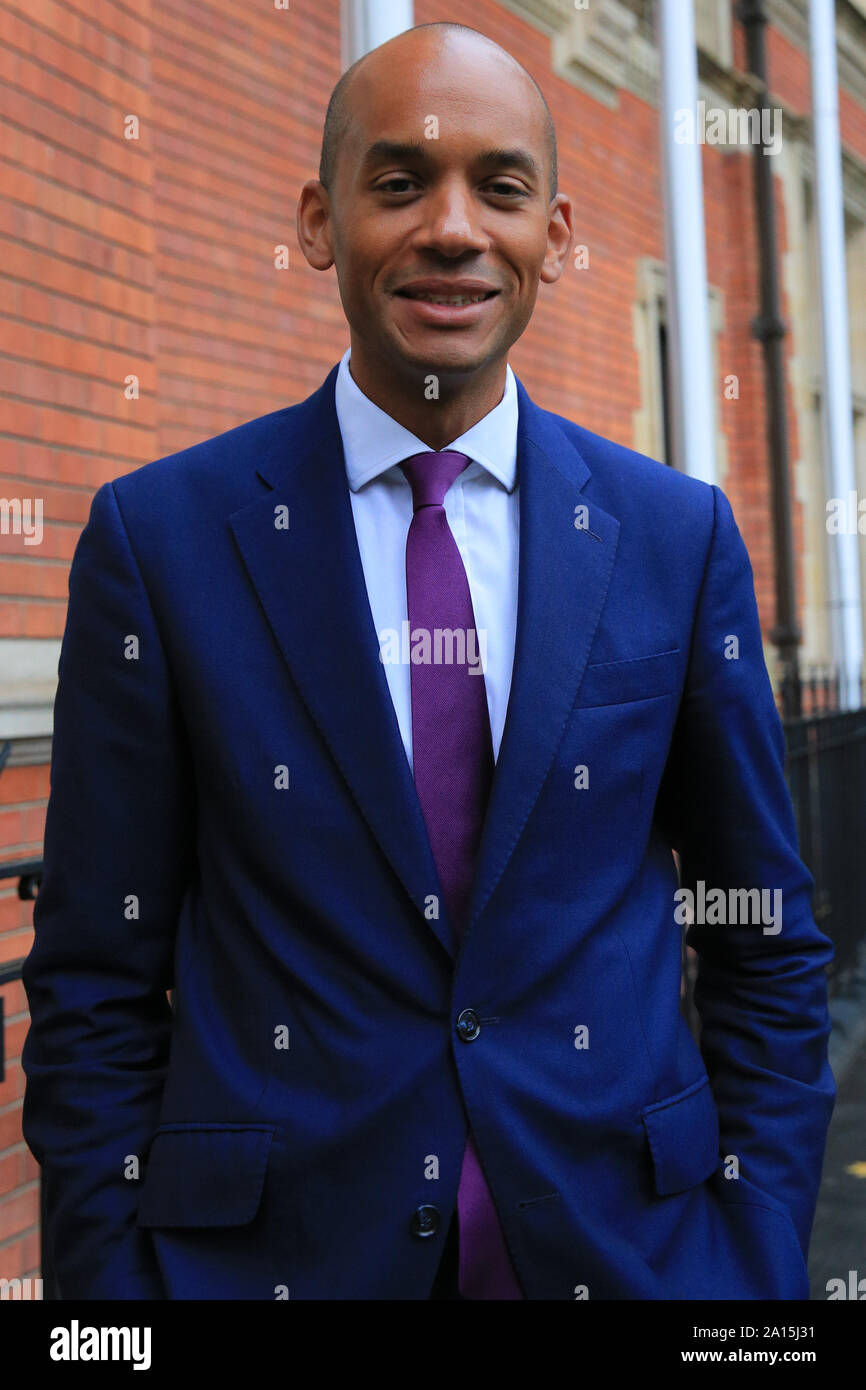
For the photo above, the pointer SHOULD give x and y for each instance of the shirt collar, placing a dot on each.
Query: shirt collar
(374, 442)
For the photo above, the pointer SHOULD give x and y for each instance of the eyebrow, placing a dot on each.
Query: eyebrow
(417, 150)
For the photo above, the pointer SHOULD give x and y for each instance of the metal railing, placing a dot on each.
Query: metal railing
(821, 689)
(29, 875)
(826, 769)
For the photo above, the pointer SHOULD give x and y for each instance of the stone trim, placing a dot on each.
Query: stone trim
(609, 45)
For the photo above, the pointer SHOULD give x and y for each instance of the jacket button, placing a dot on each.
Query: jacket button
(468, 1024)
(425, 1221)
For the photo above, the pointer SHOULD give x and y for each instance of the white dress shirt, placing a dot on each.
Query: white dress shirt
(482, 511)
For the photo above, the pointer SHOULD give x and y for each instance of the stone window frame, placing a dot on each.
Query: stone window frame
(649, 313)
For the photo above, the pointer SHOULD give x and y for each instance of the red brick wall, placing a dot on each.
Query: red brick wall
(155, 257)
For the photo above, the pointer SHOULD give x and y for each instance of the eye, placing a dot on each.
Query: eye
(510, 188)
(389, 183)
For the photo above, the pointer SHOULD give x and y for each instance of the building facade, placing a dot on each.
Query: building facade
(155, 296)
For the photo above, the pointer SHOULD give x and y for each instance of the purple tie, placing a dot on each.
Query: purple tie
(452, 757)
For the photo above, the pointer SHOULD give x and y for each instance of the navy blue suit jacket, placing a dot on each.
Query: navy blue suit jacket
(232, 817)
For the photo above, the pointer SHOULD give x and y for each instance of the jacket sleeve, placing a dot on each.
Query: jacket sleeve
(117, 853)
(761, 995)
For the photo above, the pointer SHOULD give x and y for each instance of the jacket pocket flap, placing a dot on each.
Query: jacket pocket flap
(683, 1134)
(640, 678)
(209, 1175)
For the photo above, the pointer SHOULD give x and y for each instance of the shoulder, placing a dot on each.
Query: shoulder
(210, 465)
(626, 481)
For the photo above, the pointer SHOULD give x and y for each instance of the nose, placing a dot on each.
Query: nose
(450, 222)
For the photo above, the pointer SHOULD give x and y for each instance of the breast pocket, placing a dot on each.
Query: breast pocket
(638, 678)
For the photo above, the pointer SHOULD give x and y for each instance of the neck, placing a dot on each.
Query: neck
(461, 401)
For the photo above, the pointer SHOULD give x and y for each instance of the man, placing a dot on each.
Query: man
(425, 1037)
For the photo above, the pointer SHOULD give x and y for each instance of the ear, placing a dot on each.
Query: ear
(560, 236)
(314, 225)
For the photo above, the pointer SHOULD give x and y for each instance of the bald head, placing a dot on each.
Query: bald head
(379, 63)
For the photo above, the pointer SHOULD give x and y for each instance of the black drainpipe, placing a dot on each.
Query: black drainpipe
(769, 327)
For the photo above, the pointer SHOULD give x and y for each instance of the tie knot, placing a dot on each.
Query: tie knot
(430, 475)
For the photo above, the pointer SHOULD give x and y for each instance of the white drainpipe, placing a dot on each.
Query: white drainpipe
(367, 23)
(691, 378)
(837, 421)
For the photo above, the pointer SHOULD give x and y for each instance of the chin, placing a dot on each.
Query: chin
(432, 356)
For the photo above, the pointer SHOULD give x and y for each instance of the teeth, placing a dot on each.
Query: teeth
(457, 300)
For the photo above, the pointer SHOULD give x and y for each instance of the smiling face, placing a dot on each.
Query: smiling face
(411, 219)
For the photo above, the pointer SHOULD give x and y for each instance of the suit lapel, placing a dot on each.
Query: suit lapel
(564, 572)
(310, 583)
